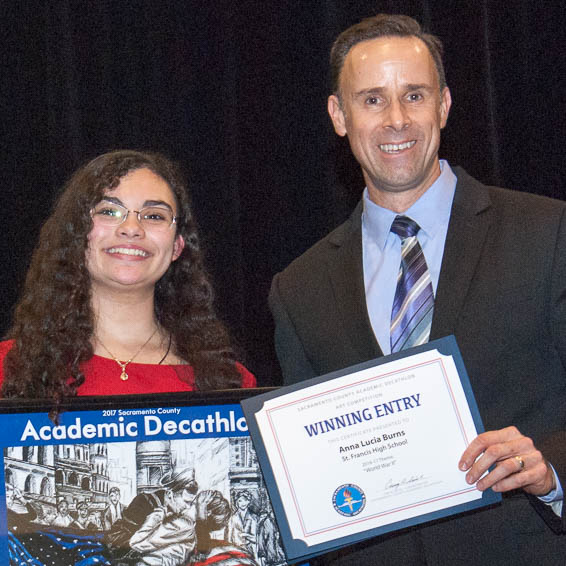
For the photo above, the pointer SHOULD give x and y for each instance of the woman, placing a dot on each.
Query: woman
(116, 300)
(242, 528)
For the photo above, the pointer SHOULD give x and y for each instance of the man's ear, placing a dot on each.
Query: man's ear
(178, 247)
(445, 103)
(337, 115)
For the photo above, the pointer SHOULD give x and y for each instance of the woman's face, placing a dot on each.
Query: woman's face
(242, 502)
(131, 256)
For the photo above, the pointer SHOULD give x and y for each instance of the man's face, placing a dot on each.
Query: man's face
(392, 111)
(180, 500)
(114, 497)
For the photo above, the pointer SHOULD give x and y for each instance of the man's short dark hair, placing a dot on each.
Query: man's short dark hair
(382, 25)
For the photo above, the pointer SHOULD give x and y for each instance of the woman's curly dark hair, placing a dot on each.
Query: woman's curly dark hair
(53, 321)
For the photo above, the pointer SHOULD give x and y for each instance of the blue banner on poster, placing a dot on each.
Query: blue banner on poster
(116, 425)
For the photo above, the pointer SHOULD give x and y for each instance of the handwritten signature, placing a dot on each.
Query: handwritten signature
(393, 485)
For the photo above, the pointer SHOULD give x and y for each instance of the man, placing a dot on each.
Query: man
(83, 521)
(114, 510)
(167, 535)
(491, 272)
(20, 513)
(177, 490)
(63, 517)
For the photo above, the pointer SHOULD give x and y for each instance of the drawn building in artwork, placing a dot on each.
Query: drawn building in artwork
(120, 473)
(47, 474)
(31, 470)
(153, 461)
(73, 472)
(209, 461)
(244, 469)
(99, 481)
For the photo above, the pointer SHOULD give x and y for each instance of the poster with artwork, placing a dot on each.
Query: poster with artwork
(168, 480)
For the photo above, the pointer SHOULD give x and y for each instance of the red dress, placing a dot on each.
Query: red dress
(102, 376)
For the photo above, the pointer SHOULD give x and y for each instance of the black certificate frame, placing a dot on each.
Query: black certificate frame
(297, 549)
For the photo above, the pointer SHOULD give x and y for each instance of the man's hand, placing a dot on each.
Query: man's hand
(518, 464)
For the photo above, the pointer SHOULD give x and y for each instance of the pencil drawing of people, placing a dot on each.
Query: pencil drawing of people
(20, 513)
(114, 510)
(181, 482)
(166, 518)
(268, 544)
(63, 517)
(242, 528)
(83, 521)
(213, 514)
(167, 536)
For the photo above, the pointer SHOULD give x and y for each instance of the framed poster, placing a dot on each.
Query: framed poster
(168, 479)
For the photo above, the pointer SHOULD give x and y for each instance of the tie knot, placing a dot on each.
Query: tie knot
(404, 227)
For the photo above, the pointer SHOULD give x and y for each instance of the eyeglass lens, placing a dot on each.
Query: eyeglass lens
(154, 217)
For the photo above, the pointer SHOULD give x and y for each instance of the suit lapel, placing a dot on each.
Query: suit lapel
(345, 268)
(470, 220)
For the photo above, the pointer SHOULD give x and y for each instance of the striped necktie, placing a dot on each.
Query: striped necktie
(411, 316)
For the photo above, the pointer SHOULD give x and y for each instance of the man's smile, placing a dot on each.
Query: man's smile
(396, 147)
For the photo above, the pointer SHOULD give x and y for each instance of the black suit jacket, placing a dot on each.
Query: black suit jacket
(502, 293)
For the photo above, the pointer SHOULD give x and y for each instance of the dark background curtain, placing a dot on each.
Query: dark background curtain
(236, 92)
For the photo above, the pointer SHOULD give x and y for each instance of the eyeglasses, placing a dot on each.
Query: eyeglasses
(155, 218)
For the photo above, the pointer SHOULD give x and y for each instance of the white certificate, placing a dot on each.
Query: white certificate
(372, 450)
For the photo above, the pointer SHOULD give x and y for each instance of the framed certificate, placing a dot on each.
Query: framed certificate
(368, 450)
(163, 479)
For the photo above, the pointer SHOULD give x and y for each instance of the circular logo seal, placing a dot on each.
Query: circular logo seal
(349, 500)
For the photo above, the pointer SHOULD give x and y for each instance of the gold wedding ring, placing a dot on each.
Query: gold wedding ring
(521, 463)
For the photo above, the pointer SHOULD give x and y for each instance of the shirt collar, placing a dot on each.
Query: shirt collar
(430, 211)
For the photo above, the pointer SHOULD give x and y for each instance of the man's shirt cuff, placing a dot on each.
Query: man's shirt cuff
(556, 496)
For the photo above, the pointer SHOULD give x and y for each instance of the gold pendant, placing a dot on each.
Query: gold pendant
(124, 375)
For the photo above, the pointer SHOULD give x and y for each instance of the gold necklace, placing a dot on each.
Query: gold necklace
(124, 376)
